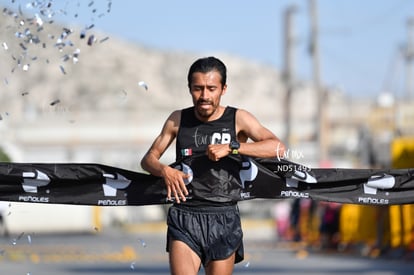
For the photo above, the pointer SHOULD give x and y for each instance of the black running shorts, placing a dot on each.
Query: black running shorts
(214, 233)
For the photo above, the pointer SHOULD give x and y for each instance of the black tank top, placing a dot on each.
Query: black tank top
(214, 182)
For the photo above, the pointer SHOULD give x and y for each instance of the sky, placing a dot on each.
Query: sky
(360, 41)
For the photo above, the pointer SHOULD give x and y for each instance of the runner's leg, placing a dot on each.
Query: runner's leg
(183, 260)
(221, 267)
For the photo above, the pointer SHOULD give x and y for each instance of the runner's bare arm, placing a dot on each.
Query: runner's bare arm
(151, 161)
(265, 144)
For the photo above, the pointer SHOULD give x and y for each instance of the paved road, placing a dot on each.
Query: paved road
(120, 253)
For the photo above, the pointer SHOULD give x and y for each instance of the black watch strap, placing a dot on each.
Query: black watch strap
(234, 146)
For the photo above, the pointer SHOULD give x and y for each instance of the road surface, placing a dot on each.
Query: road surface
(120, 252)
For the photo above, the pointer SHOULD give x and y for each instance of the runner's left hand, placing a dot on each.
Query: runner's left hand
(217, 151)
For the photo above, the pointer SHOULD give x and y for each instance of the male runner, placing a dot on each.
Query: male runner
(206, 229)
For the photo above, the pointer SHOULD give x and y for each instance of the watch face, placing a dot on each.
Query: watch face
(234, 144)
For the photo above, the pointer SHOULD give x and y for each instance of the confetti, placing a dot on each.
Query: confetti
(38, 20)
(23, 47)
(82, 34)
(54, 102)
(66, 57)
(62, 69)
(143, 243)
(103, 39)
(143, 84)
(28, 27)
(91, 40)
(14, 241)
(5, 47)
(75, 57)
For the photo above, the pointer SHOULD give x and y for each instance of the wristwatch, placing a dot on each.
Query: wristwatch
(234, 146)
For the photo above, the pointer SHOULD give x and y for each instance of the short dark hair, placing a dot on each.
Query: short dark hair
(208, 64)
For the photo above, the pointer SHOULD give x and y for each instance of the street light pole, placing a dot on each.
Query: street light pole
(409, 58)
(320, 112)
(288, 70)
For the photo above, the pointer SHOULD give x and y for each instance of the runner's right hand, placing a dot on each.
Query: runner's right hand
(174, 181)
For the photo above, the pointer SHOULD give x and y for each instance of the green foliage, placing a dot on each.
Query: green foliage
(3, 156)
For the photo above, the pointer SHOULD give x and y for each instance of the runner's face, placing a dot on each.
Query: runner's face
(206, 91)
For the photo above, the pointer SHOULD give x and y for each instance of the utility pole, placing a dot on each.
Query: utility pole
(409, 58)
(288, 73)
(314, 52)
